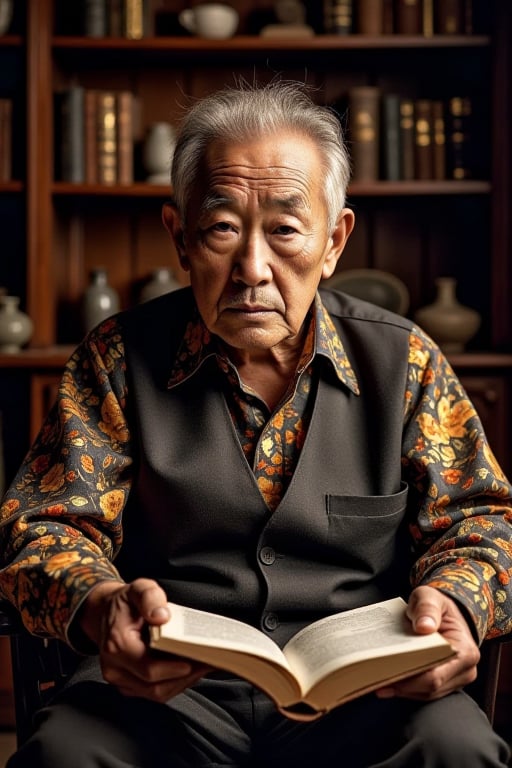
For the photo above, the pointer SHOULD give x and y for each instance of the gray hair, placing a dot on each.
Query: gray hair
(236, 114)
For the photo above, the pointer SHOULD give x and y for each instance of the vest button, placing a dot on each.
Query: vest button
(270, 621)
(267, 555)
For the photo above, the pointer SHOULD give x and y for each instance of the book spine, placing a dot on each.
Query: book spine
(363, 121)
(106, 137)
(5, 139)
(115, 20)
(90, 136)
(370, 17)
(450, 19)
(124, 105)
(409, 19)
(439, 145)
(95, 18)
(407, 139)
(134, 17)
(428, 18)
(72, 134)
(338, 17)
(468, 17)
(423, 140)
(458, 138)
(391, 137)
(388, 17)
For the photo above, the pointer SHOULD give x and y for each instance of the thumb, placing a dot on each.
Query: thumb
(149, 600)
(424, 610)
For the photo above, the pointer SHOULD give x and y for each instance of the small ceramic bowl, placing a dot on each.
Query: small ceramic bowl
(373, 285)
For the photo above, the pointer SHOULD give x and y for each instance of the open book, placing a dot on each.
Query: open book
(327, 663)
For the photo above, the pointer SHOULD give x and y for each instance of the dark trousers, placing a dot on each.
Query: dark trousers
(229, 723)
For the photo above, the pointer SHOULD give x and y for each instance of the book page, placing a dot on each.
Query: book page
(211, 629)
(347, 637)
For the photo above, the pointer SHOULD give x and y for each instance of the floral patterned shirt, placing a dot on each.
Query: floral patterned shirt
(52, 554)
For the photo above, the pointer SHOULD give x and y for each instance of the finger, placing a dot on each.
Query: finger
(150, 601)
(424, 609)
(159, 689)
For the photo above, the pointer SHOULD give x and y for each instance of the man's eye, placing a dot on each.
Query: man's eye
(284, 229)
(222, 226)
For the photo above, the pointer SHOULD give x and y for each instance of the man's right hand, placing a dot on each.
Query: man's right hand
(114, 616)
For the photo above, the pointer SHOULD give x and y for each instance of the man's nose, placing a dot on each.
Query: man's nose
(253, 261)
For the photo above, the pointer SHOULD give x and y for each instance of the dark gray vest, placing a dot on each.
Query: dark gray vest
(196, 520)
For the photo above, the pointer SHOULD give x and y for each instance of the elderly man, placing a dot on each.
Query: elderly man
(253, 413)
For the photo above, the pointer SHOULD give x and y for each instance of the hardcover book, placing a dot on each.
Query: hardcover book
(338, 16)
(95, 18)
(450, 17)
(124, 138)
(439, 141)
(106, 126)
(423, 140)
(407, 172)
(327, 663)
(70, 134)
(370, 17)
(91, 136)
(364, 130)
(391, 137)
(5, 139)
(409, 20)
(458, 138)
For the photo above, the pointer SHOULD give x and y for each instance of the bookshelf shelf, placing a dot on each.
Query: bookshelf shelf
(7, 187)
(358, 189)
(251, 43)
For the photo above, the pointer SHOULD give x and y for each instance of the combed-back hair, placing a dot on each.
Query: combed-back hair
(244, 112)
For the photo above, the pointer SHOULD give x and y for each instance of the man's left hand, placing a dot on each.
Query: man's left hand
(430, 610)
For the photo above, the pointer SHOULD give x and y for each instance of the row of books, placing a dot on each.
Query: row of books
(5, 140)
(395, 138)
(407, 17)
(95, 135)
(117, 18)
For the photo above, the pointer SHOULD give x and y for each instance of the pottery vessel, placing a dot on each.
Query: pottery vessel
(162, 281)
(100, 300)
(16, 327)
(216, 21)
(158, 151)
(446, 320)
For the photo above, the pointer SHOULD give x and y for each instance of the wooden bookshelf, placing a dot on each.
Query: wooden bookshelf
(54, 233)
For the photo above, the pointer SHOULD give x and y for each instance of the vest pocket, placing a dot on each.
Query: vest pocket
(367, 531)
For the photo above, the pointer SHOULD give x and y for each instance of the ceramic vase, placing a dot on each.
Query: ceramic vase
(16, 327)
(100, 300)
(157, 153)
(446, 320)
(162, 281)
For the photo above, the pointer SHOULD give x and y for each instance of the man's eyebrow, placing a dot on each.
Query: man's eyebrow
(288, 203)
(213, 201)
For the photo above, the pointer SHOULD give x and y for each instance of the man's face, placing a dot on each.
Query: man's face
(256, 240)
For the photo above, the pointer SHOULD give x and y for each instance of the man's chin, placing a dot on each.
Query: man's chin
(250, 337)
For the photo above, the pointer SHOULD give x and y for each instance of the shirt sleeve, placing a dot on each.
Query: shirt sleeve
(60, 521)
(463, 525)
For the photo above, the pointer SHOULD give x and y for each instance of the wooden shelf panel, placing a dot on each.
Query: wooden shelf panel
(11, 186)
(247, 43)
(360, 189)
(53, 357)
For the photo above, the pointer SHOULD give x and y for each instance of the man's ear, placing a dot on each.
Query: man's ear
(339, 237)
(173, 224)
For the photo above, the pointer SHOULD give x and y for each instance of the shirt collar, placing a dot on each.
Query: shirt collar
(198, 345)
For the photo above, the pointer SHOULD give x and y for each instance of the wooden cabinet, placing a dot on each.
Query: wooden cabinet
(55, 233)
